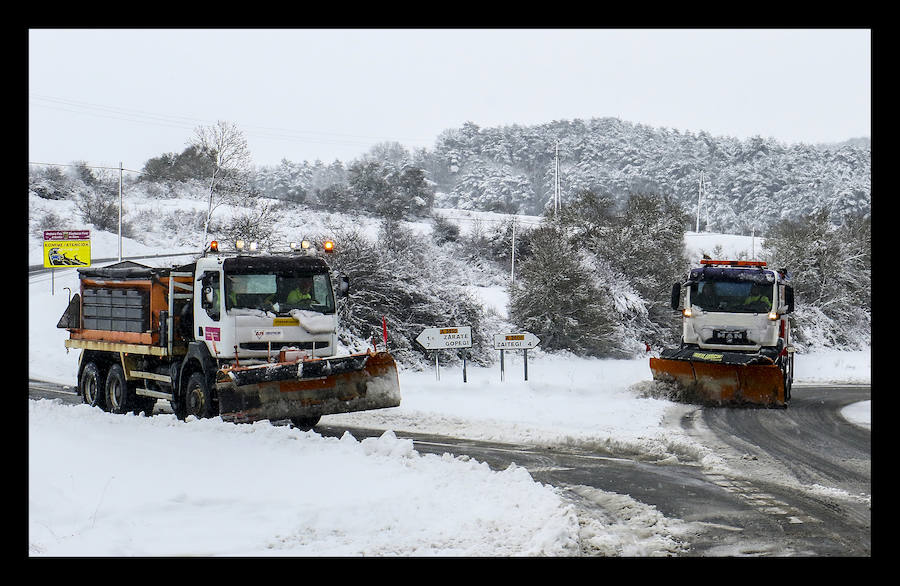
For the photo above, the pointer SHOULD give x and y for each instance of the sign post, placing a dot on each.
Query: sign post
(66, 248)
(441, 338)
(515, 341)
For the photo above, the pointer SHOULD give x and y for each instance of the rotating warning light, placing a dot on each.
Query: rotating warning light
(734, 263)
(328, 245)
(214, 246)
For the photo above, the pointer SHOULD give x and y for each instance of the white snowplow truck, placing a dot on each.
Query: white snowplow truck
(245, 337)
(736, 335)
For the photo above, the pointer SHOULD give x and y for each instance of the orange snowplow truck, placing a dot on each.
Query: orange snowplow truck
(244, 337)
(736, 335)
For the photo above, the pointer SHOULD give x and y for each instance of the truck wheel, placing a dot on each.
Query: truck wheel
(788, 381)
(197, 398)
(91, 384)
(305, 423)
(118, 395)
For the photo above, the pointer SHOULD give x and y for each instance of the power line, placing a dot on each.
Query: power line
(86, 166)
(189, 123)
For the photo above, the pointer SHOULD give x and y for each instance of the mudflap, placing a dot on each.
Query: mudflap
(308, 388)
(722, 378)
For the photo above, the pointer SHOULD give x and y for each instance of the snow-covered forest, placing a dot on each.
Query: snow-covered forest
(748, 184)
(593, 279)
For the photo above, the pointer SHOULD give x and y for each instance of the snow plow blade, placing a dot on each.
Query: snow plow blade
(308, 388)
(722, 378)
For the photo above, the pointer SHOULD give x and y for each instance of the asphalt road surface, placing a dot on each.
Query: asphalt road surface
(797, 481)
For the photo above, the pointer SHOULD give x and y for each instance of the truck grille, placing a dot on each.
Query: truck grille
(736, 337)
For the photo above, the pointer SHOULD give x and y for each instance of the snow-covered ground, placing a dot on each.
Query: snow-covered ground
(112, 485)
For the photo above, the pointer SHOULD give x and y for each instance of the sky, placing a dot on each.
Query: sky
(111, 96)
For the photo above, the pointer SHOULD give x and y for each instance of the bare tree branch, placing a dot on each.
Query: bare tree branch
(226, 143)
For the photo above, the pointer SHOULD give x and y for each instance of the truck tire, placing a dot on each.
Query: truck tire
(305, 423)
(118, 395)
(786, 364)
(197, 397)
(788, 378)
(91, 386)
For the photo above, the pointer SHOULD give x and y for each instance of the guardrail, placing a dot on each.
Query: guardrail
(41, 268)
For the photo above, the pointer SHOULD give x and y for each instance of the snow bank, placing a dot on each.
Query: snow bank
(112, 485)
(102, 485)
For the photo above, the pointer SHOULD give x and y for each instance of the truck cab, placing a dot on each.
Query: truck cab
(251, 306)
(735, 306)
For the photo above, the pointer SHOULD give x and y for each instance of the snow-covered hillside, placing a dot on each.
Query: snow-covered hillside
(108, 485)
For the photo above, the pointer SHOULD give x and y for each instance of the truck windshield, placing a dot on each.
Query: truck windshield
(279, 293)
(732, 296)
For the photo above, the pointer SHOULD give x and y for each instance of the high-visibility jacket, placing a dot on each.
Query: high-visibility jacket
(297, 295)
(756, 298)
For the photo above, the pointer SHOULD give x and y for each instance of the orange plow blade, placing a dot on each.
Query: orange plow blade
(715, 380)
(309, 388)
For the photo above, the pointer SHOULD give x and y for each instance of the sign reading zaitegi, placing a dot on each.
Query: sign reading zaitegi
(67, 248)
(517, 341)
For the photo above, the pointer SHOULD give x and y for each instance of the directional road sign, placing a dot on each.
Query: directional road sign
(517, 341)
(451, 337)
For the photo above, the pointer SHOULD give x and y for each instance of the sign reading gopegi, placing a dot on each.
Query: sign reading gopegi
(442, 338)
(450, 337)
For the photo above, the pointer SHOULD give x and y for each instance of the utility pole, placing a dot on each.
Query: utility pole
(753, 242)
(556, 202)
(120, 211)
(699, 196)
(512, 267)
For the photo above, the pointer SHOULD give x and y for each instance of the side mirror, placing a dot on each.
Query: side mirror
(676, 296)
(789, 298)
(343, 285)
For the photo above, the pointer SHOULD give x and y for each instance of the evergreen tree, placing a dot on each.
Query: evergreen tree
(194, 162)
(645, 244)
(830, 267)
(556, 298)
(399, 277)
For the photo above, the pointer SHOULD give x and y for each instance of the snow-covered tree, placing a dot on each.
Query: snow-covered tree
(227, 147)
(556, 297)
(831, 269)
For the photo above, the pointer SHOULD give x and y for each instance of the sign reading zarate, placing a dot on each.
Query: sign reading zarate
(450, 337)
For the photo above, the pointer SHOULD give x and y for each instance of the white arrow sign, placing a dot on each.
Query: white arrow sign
(519, 341)
(452, 337)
